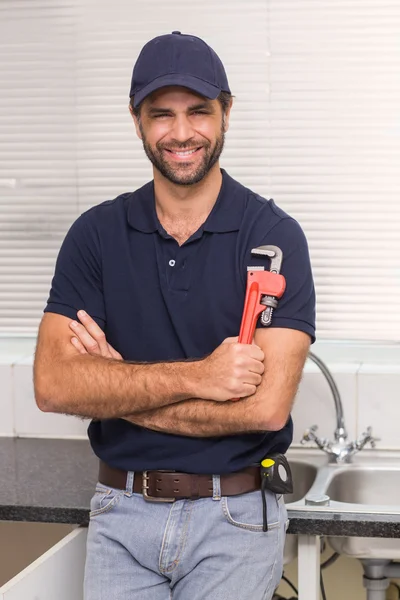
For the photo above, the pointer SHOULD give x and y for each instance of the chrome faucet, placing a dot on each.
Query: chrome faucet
(340, 450)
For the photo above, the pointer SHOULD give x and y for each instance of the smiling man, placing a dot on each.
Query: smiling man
(155, 361)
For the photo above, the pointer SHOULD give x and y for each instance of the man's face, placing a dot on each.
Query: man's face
(182, 132)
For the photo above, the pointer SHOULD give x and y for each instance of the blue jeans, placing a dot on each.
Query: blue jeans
(205, 549)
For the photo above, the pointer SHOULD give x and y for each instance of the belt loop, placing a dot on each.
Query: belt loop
(129, 483)
(216, 487)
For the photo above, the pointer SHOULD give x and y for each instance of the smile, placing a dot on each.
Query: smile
(182, 154)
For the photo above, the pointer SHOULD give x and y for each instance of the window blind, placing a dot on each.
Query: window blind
(38, 171)
(314, 125)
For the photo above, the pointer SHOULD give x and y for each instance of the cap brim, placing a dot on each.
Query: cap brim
(193, 83)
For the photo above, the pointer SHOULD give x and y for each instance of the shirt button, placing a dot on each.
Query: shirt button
(171, 263)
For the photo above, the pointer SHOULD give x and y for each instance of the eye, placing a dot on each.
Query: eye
(161, 116)
(201, 112)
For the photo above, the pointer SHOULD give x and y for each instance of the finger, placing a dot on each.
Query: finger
(95, 331)
(114, 353)
(251, 352)
(253, 378)
(80, 347)
(231, 340)
(257, 366)
(89, 343)
(256, 352)
(248, 390)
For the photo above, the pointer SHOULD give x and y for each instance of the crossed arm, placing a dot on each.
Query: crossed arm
(268, 408)
(285, 353)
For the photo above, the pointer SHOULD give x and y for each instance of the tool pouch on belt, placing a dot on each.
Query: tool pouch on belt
(276, 477)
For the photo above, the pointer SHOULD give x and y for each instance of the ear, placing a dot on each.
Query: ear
(227, 116)
(136, 122)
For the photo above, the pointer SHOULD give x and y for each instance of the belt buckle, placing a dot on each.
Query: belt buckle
(145, 487)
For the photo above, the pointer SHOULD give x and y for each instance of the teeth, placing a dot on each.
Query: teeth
(185, 153)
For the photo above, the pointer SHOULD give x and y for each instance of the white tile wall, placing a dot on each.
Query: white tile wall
(29, 420)
(6, 401)
(368, 379)
(11, 350)
(379, 402)
(314, 404)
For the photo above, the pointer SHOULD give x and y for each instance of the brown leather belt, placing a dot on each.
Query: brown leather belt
(168, 486)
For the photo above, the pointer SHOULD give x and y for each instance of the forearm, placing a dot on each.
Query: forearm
(266, 410)
(202, 418)
(103, 388)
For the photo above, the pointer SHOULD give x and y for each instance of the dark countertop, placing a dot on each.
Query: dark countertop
(52, 481)
(340, 524)
(46, 480)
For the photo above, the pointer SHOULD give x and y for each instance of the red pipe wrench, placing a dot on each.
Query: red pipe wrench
(264, 288)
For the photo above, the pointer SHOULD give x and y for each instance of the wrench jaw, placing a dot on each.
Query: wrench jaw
(274, 253)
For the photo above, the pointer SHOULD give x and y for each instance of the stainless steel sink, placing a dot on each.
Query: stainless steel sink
(371, 484)
(368, 485)
(304, 475)
(374, 486)
(377, 488)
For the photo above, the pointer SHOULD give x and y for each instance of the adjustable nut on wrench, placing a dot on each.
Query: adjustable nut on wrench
(264, 288)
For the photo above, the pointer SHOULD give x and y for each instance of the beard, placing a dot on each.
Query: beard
(185, 173)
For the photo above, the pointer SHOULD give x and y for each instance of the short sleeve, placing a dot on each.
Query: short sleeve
(296, 308)
(77, 281)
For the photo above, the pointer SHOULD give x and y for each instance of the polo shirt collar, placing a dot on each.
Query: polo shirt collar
(226, 215)
(141, 213)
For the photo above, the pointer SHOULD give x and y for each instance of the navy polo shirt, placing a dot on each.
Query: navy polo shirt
(158, 301)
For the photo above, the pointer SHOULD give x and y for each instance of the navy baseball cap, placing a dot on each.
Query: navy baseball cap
(178, 59)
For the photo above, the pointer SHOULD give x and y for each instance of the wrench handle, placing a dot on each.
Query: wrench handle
(259, 284)
(251, 312)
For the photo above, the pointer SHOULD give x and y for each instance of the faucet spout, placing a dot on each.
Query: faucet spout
(338, 451)
(340, 432)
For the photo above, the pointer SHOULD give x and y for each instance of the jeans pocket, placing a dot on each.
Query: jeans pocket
(246, 510)
(104, 499)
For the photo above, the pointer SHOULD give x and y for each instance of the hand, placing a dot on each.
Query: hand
(232, 371)
(90, 339)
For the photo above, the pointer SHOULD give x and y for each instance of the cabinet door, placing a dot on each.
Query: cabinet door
(57, 574)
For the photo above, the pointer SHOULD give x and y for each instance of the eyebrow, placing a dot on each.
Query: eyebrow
(201, 105)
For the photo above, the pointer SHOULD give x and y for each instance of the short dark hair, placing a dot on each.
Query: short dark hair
(224, 99)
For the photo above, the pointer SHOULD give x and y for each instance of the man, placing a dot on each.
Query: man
(177, 512)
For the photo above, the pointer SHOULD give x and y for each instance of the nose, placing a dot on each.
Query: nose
(182, 129)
